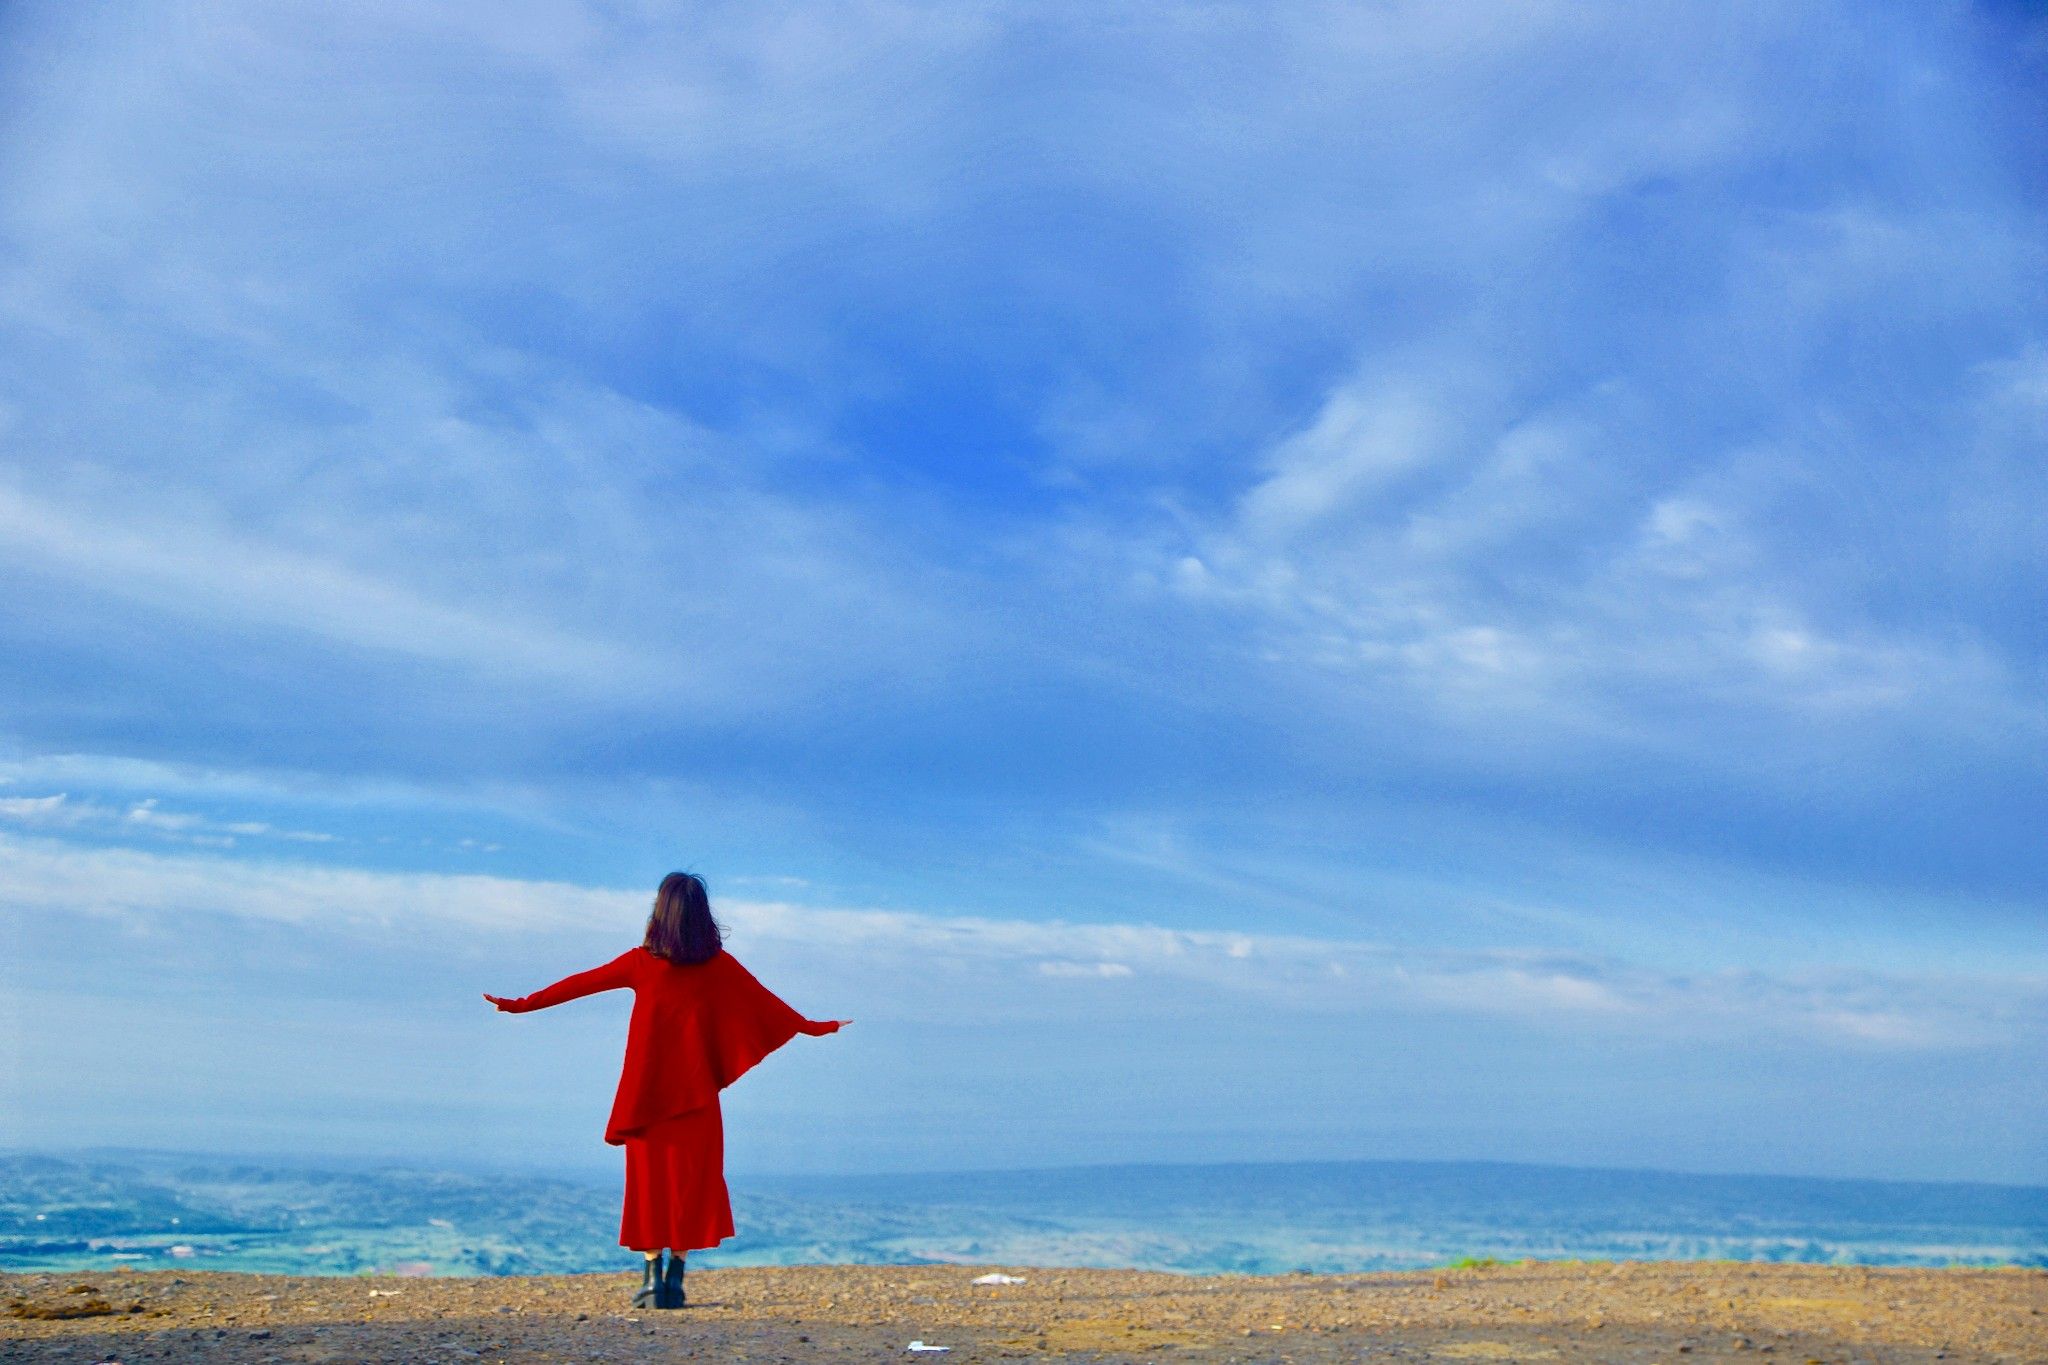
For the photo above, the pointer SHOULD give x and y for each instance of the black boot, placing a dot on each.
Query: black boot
(650, 1284)
(672, 1285)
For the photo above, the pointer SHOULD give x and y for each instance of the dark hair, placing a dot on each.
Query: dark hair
(681, 928)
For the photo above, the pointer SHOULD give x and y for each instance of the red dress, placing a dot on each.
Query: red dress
(696, 1028)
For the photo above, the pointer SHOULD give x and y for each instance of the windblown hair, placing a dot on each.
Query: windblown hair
(681, 928)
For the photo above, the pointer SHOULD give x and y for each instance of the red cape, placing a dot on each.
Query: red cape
(695, 1030)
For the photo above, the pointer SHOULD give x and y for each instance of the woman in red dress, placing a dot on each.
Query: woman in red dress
(700, 1020)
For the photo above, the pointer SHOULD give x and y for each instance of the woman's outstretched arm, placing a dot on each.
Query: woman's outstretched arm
(612, 976)
(775, 1004)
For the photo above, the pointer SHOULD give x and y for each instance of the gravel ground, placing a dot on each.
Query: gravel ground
(1633, 1312)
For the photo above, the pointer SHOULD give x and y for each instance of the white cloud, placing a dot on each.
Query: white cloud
(1366, 437)
(962, 963)
(146, 813)
(1885, 1028)
(1631, 583)
(148, 887)
(1084, 969)
(38, 809)
(1519, 991)
(191, 569)
(262, 829)
(141, 778)
(147, 816)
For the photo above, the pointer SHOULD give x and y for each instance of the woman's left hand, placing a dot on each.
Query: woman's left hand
(504, 1006)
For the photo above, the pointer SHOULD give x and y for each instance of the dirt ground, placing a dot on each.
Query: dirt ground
(1546, 1311)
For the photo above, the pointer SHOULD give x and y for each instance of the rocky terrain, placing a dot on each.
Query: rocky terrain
(1530, 1311)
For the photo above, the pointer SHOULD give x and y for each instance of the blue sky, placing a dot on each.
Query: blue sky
(1297, 581)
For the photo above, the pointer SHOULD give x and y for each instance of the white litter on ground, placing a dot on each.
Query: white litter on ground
(997, 1278)
(920, 1346)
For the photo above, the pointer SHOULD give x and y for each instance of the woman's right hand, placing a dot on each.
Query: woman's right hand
(504, 1005)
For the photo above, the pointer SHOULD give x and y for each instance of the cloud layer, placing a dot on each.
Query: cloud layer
(901, 964)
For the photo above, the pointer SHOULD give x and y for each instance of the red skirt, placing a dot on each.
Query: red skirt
(675, 1184)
